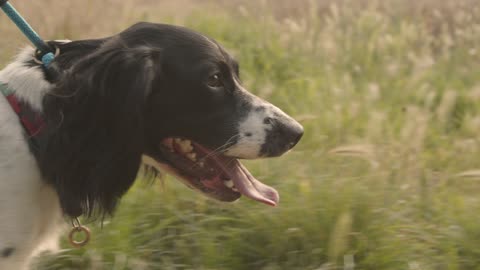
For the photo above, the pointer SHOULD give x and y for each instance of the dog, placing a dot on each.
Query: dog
(74, 134)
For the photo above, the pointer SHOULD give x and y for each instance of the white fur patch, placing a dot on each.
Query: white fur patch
(252, 131)
(28, 82)
(252, 134)
(29, 208)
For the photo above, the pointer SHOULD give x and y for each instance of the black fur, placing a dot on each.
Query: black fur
(116, 98)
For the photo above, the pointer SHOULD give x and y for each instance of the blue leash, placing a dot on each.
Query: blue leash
(46, 53)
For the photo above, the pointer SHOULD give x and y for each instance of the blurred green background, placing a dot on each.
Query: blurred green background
(387, 175)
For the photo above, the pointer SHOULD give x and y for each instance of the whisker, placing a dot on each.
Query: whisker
(229, 162)
(221, 148)
(224, 147)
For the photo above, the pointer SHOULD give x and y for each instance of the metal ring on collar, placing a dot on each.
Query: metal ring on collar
(36, 55)
(79, 229)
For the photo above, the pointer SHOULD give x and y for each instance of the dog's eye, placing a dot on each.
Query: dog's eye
(214, 81)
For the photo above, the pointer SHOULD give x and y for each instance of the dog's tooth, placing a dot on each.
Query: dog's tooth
(177, 140)
(228, 183)
(192, 156)
(186, 146)
(234, 189)
(201, 164)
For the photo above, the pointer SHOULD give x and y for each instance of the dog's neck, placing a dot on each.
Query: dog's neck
(26, 79)
(23, 84)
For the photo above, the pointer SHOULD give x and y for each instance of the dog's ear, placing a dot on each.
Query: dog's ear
(95, 138)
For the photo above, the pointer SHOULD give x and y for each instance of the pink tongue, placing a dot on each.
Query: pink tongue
(243, 180)
(251, 187)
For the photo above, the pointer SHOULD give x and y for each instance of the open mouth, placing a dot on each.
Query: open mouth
(210, 172)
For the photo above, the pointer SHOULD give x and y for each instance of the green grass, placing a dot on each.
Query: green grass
(389, 95)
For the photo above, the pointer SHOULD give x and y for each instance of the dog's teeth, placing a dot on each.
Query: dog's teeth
(192, 156)
(185, 146)
(188, 148)
(228, 183)
(235, 189)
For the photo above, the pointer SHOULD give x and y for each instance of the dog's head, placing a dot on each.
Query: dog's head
(171, 96)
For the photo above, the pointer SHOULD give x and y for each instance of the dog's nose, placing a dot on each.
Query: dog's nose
(296, 134)
(283, 136)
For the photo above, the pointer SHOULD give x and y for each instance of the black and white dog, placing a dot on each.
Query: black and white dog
(156, 94)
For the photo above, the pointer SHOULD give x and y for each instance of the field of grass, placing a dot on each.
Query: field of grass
(387, 175)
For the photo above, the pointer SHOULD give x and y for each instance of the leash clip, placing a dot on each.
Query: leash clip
(45, 59)
(76, 229)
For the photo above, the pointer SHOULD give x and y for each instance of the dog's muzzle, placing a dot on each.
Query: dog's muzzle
(282, 136)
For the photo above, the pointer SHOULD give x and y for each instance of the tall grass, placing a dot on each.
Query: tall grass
(387, 174)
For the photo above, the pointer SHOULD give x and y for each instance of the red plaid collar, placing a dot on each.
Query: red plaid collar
(31, 120)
